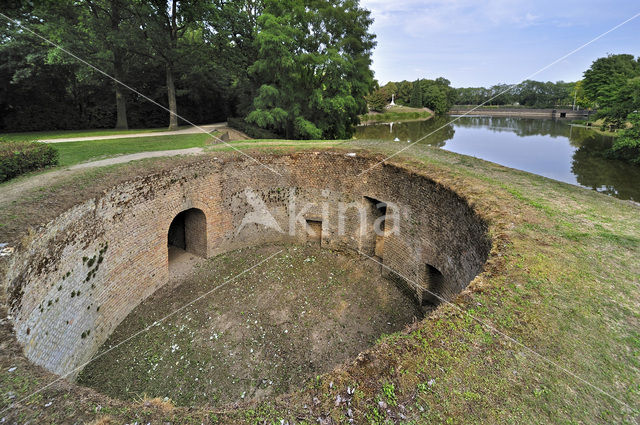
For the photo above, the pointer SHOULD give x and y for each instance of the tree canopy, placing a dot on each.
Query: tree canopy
(437, 95)
(312, 67)
(298, 68)
(613, 84)
(534, 94)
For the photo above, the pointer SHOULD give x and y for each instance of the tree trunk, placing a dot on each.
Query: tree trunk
(121, 101)
(171, 95)
(118, 73)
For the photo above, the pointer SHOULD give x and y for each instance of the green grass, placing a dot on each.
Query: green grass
(76, 152)
(563, 280)
(63, 134)
(397, 113)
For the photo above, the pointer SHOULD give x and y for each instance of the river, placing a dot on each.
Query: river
(550, 148)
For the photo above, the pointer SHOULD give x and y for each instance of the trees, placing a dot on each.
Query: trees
(377, 100)
(104, 20)
(534, 94)
(613, 84)
(96, 30)
(627, 145)
(162, 28)
(605, 75)
(404, 92)
(210, 59)
(416, 95)
(434, 98)
(437, 95)
(312, 69)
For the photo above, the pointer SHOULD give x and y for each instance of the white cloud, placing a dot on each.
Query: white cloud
(418, 18)
(475, 42)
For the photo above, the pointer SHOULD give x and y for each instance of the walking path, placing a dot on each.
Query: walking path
(136, 156)
(191, 130)
(12, 191)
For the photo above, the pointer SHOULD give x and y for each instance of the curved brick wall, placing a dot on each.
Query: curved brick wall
(86, 270)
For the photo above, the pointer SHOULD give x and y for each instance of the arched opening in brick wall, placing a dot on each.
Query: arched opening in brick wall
(187, 234)
(314, 232)
(373, 242)
(426, 224)
(434, 283)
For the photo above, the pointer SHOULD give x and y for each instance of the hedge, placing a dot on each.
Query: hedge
(251, 130)
(21, 157)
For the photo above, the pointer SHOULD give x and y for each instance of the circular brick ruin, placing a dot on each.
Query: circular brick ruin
(85, 271)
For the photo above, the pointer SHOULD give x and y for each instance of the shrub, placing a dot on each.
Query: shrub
(377, 100)
(21, 157)
(250, 129)
(627, 145)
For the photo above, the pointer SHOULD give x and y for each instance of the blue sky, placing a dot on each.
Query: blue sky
(480, 43)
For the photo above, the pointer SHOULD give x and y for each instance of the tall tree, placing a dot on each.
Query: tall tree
(313, 67)
(607, 74)
(404, 93)
(627, 145)
(416, 95)
(610, 82)
(97, 31)
(106, 21)
(163, 26)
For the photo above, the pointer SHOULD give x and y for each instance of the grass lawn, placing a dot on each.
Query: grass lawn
(397, 113)
(76, 152)
(562, 280)
(63, 134)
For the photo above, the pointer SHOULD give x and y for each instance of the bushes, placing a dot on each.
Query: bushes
(251, 130)
(377, 101)
(627, 145)
(21, 157)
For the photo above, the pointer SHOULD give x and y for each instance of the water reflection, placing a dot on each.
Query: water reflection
(552, 148)
(409, 131)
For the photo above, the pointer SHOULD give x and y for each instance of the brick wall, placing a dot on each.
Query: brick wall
(86, 270)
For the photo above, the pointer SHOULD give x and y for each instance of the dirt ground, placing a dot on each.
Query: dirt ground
(298, 315)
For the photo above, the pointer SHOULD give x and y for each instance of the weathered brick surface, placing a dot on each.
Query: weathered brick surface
(85, 271)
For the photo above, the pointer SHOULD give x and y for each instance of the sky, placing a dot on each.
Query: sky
(484, 42)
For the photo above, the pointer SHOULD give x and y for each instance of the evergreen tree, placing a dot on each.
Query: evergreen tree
(313, 67)
(416, 95)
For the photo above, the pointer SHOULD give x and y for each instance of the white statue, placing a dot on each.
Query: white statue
(393, 97)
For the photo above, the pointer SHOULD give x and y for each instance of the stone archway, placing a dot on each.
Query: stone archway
(188, 233)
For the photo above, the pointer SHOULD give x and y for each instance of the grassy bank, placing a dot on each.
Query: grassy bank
(547, 334)
(76, 152)
(63, 134)
(397, 113)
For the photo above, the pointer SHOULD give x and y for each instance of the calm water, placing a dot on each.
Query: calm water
(551, 148)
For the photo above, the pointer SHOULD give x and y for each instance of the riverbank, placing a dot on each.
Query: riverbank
(395, 114)
(552, 148)
(520, 112)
